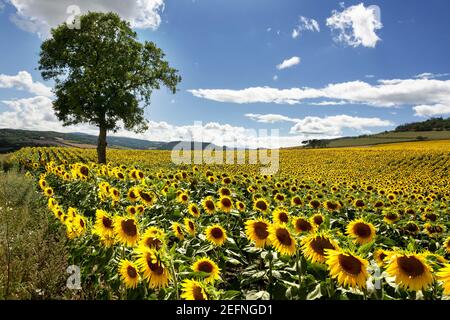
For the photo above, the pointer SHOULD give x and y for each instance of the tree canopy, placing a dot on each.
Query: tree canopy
(103, 75)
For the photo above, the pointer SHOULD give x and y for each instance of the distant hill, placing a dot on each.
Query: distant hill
(433, 124)
(13, 139)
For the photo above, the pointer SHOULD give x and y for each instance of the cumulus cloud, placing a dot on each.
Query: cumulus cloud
(429, 75)
(305, 24)
(334, 125)
(288, 63)
(38, 16)
(432, 110)
(356, 25)
(331, 126)
(24, 81)
(387, 93)
(269, 118)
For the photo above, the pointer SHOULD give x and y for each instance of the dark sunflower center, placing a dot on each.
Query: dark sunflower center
(146, 197)
(261, 230)
(205, 266)
(179, 230)
(382, 256)
(297, 201)
(131, 272)
(129, 228)
(107, 222)
(194, 210)
(209, 204)
(411, 227)
(226, 202)
(391, 216)
(318, 220)
(350, 264)
(184, 197)
(155, 267)
(225, 192)
(412, 266)
(84, 171)
(217, 233)
(82, 223)
(284, 237)
(261, 205)
(303, 225)
(315, 204)
(191, 225)
(319, 244)
(359, 203)
(362, 230)
(153, 243)
(283, 217)
(332, 205)
(133, 195)
(197, 293)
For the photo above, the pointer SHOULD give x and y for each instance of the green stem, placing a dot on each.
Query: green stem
(174, 277)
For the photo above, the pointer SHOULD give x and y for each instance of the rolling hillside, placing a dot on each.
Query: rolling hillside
(12, 139)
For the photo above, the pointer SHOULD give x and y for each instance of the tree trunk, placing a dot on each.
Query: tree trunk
(101, 145)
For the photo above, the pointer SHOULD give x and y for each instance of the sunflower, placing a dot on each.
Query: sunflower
(444, 275)
(302, 224)
(281, 239)
(126, 230)
(216, 234)
(390, 216)
(317, 219)
(347, 268)
(240, 206)
(153, 269)
(193, 290)
(133, 194)
(410, 270)
(280, 215)
(129, 273)
(148, 198)
(314, 246)
(225, 203)
(359, 203)
(362, 232)
(314, 204)
(261, 205)
(153, 238)
(224, 192)
(79, 223)
(48, 191)
(447, 245)
(332, 205)
(177, 230)
(411, 228)
(131, 210)
(193, 210)
(257, 232)
(209, 205)
(183, 197)
(52, 203)
(279, 197)
(209, 267)
(42, 184)
(114, 194)
(296, 201)
(380, 256)
(433, 230)
(189, 225)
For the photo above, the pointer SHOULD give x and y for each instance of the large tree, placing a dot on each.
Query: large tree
(103, 75)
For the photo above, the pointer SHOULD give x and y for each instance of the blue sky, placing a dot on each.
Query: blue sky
(224, 47)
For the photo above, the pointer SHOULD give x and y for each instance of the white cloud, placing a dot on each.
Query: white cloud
(356, 25)
(335, 124)
(369, 76)
(332, 125)
(268, 29)
(429, 75)
(38, 16)
(387, 93)
(24, 81)
(305, 24)
(288, 63)
(275, 78)
(269, 118)
(329, 103)
(432, 110)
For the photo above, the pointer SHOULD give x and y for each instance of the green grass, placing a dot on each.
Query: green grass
(33, 258)
(389, 137)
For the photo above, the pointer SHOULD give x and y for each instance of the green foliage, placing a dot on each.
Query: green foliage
(438, 124)
(32, 247)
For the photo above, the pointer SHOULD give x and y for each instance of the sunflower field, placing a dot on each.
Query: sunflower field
(349, 223)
